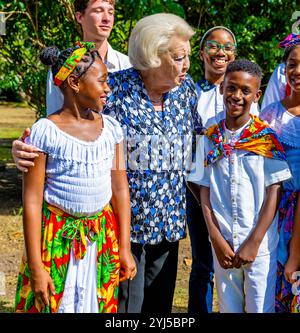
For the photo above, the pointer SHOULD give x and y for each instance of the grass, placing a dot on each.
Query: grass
(14, 118)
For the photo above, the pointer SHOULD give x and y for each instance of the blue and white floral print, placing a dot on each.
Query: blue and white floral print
(158, 147)
(204, 85)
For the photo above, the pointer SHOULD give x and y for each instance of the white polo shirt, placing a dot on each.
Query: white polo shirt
(54, 98)
(237, 191)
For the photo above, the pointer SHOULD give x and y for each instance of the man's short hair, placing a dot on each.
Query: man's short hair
(81, 5)
(244, 65)
(151, 37)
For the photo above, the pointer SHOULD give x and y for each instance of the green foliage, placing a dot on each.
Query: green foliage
(258, 25)
(33, 24)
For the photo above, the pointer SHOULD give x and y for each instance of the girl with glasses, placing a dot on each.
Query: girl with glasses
(218, 48)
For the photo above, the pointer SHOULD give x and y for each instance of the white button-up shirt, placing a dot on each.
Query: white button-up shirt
(54, 98)
(237, 191)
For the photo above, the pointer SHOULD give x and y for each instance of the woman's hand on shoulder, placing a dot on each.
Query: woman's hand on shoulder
(22, 153)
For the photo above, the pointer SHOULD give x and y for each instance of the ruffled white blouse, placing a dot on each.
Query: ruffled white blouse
(78, 173)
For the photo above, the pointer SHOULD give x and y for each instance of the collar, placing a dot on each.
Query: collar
(205, 85)
(112, 60)
(232, 136)
(239, 130)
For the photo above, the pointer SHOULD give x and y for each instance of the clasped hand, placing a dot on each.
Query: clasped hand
(227, 258)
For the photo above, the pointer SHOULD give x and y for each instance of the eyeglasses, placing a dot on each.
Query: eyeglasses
(212, 47)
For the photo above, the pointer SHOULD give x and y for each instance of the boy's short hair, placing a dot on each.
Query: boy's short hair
(244, 65)
(81, 5)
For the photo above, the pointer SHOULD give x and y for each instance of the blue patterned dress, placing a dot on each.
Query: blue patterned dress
(158, 153)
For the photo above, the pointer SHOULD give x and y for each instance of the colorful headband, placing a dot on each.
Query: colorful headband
(290, 40)
(72, 61)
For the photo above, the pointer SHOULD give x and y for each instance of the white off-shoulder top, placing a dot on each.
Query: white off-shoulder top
(78, 173)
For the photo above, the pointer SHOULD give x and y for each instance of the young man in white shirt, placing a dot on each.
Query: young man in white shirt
(96, 18)
(240, 191)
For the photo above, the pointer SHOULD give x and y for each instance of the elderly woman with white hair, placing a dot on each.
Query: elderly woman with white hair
(156, 104)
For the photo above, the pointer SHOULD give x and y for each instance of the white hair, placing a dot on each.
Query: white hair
(151, 36)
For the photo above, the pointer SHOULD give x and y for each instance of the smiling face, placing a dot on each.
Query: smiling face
(292, 69)
(240, 89)
(93, 87)
(97, 20)
(215, 63)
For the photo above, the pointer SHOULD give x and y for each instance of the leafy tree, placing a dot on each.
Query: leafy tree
(30, 26)
(33, 24)
(259, 25)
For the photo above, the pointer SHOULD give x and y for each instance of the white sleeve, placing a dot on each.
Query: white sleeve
(275, 90)
(41, 135)
(54, 96)
(198, 173)
(115, 127)
(275, 171)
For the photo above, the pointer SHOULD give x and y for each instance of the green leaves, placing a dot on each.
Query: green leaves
(257, 24)
(32, 24)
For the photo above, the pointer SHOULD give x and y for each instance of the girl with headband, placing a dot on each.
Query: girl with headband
(218, 47)
(77, 247)
(284, 117)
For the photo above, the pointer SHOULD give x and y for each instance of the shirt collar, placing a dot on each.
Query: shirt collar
(205, 85)
(234, 134)
(112, 60)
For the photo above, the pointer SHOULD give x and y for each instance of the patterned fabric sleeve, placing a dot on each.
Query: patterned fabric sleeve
(194, 96)
(272, 115)
(112, 97)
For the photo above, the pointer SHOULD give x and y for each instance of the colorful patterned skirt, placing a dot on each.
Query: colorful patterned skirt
(61, 234)
(286, 300)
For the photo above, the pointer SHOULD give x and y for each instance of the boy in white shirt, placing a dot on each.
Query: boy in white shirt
(96, 18)
(240, 191)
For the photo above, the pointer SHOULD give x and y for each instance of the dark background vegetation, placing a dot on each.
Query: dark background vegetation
(30, 25)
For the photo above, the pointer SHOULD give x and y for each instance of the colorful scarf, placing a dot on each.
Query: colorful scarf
(257, 137)
(291, 39)
(72, 61)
